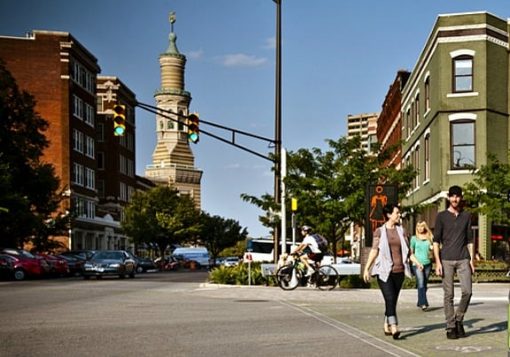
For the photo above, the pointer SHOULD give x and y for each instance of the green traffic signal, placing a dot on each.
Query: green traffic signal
(193, 131)
(119, 119)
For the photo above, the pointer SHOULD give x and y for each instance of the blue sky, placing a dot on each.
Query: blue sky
(338, 58)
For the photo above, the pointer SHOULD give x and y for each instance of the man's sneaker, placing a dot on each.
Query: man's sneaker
(459, 326)
(451, 334)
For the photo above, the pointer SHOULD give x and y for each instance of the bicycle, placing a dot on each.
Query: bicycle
(290, 275)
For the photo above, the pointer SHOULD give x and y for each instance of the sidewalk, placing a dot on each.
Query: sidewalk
(423, 333)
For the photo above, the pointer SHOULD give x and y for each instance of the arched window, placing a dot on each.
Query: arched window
(169, 125)
(161, 125)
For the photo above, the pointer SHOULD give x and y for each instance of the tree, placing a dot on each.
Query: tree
(28, 187)
(487, 193)
(218, 233)
(161, 216)
(330, 186)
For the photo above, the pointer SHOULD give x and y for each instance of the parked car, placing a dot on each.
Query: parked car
(231, 261)
(84, 254)
(28, 263)
(110, 262)
(19, 267)
(198, 255)
(142, 264)
(74, 263)
(57, 266)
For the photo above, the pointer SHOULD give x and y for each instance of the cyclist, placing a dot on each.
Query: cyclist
(309, 249)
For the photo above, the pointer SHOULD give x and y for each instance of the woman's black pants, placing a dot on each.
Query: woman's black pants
(390, 290)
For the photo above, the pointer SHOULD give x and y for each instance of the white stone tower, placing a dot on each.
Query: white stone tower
(173, 162)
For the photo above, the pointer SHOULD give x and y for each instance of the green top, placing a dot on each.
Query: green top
(421, 248)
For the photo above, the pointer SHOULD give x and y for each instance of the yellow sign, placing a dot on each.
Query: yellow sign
(294, 204)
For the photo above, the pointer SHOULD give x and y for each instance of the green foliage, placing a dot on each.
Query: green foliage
(218, 233)
(330, 186)
(353, 282)
(237, 275)
(235, 251)
(161, 216)
(487, 193)
(28, 187)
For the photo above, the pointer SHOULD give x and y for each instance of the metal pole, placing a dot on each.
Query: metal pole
(278, 112)
(283, 213)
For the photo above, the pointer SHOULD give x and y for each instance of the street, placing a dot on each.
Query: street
(179, 314)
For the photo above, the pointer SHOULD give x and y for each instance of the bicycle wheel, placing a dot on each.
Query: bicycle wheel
(287, 277)
(327, 278)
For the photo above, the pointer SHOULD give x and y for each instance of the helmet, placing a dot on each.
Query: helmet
(306, 229)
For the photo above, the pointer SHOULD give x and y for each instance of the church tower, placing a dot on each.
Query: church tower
(173, 162)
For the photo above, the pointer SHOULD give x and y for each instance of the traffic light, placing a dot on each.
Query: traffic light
(193, 128)
(119, 119)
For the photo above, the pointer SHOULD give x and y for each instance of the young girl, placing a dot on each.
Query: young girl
(421, 246)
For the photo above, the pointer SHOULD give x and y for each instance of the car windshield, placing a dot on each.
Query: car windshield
(108, 255)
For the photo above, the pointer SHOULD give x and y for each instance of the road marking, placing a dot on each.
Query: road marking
(350, 330)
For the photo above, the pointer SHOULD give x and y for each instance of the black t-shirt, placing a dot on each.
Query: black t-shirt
(454, 233)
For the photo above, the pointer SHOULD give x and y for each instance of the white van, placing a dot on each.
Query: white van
(198, 254)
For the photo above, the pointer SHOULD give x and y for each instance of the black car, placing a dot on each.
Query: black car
(142, 264)
(110, 262)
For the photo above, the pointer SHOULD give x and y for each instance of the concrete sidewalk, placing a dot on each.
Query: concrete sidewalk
(359, 312)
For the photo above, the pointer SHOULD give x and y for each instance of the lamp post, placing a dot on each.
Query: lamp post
(278, 118)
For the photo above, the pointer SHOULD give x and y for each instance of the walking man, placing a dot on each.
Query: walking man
(453, 232)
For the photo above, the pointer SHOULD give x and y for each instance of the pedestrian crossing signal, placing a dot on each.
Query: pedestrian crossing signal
(119, 120)
(193, 130)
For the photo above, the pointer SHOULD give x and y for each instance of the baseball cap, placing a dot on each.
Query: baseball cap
(455, 190)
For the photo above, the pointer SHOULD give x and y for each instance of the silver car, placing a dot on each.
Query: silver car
(110, 262)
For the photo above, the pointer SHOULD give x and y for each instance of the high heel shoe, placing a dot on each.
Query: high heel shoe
(395, 332)
(386, 331)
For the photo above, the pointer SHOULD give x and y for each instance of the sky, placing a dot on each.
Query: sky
(338, 58)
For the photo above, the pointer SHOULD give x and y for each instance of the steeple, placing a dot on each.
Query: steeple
(173, 162)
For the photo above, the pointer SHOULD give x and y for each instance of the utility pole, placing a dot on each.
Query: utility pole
(278, 121)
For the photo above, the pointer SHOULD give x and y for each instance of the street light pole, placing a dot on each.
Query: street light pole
(278, 121)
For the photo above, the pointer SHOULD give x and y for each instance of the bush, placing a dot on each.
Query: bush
(237, 275)
(353, 282)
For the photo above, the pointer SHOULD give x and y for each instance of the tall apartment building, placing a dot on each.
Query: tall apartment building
(61, 74)
(115, 177)
(455, 110)
(364, 125)
(173, 162)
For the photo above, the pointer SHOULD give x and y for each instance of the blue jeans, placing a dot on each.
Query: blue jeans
(422, 277)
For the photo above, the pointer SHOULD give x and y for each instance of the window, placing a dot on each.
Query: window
(417, 110)
(123, 192)
(100, 160)
(463, 74)
(89, 146)
(100, 188)
(122, 164)
(77, 140)
(427, 94)
(462, 144)
(89, 114)
(169, 125)
(77, 107)
(100, 132)
(78, 174)
(427, 157)
(90, 178)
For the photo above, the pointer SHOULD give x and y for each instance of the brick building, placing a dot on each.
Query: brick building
(61, 74)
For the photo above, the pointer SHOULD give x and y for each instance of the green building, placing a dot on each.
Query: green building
(455, 109)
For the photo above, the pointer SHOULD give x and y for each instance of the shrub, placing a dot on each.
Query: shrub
(237, 275)
(353, 282)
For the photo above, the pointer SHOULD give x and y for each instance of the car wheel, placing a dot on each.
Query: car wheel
(19, 274)
(86, 277)
(122, 276)
(132, 275)
(139, 269)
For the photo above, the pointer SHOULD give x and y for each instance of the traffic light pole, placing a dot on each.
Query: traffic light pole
(167, 114)
(278, 121)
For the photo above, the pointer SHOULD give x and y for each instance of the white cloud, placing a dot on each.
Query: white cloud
(270, 43)
(242, 60)
(195, 54)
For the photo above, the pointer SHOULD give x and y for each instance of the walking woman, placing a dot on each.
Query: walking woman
(388, 260)
(421, 247)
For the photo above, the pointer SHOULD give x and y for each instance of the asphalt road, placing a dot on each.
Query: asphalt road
(179, 314)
